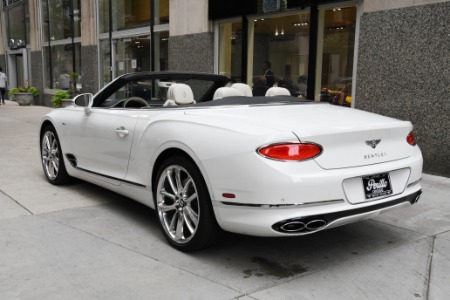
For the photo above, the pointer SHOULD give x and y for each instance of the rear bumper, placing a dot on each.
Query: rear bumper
(296, 221)
(314, 223)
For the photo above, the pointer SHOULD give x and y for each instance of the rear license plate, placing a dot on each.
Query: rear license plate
(377, 185)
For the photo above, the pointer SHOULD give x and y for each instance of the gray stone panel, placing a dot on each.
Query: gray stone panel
(36, 76)
(89, 69)
(194, 52)
(404, 72)
(3, 62)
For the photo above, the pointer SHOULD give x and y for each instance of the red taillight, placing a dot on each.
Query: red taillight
(411, 139)
(291, 151)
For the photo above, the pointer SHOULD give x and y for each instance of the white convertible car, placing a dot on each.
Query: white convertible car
(207, 156)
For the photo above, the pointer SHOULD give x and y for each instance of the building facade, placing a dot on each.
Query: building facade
(388, 57)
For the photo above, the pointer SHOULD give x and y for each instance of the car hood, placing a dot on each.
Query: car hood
(345, 134)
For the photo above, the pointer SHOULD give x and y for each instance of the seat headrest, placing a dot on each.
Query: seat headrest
(243, 88)
(180, 93)
(226, 92)
(277, 91)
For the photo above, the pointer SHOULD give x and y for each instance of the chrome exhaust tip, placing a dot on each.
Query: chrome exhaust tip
(315, 224)
(300, 226)
(294, 226)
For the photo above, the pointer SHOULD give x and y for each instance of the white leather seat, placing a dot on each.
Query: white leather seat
(277, 91)
(226, 92)
(179, 94)
(243, 88)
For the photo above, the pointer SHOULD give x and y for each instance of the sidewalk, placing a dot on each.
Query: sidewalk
(83, 242)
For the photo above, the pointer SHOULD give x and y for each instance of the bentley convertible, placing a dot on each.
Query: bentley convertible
(208, 156)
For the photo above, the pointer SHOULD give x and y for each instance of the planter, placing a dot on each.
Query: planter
(24, 98)
(66, 102)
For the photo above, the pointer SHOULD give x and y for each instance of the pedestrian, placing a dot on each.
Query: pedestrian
(3, 84)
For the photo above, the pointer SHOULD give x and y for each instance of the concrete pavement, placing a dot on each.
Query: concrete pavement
(83, 242)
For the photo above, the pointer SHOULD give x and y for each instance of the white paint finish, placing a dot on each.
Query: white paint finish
(234, 134)
(101, 141)
(189, 17)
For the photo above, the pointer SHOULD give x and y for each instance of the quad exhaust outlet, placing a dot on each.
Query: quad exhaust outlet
(302, 225)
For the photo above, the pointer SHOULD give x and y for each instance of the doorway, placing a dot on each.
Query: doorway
(17, 71)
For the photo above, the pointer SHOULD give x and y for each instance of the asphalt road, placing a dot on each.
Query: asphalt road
(83, 242)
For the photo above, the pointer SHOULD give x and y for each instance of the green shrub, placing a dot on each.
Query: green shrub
(58, 96)
(22, 89)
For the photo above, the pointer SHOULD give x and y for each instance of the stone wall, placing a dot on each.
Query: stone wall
(36, 78)
(89, 69)
(192, 52)
(404, 72)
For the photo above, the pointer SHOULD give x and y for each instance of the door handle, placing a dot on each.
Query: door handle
(122, 132)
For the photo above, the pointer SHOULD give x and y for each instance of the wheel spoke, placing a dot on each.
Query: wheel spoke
(170, 180)
(180, 225)
(187, 184)
(167, 194)
(173, 222)
(191, 219)
(178, 181)
(47, 143)
(165, 208)
(191, 198)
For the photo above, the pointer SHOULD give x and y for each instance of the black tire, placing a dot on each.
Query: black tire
(52, 157)
(183, 206)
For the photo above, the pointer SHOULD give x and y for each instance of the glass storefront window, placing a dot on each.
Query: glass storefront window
(278, 52)
(18, 33)
(129, 14)
(57, 14)
(133, 55)
(335, 55)
(62, 66)
(230, 50)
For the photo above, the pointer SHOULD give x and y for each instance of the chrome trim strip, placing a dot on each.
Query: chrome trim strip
(415, 182)
(110, 177)
(304, 204)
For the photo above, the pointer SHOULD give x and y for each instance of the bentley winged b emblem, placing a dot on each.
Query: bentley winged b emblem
(373, 143)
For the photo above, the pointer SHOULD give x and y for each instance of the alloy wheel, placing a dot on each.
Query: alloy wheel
(178, 204)
(50, 155)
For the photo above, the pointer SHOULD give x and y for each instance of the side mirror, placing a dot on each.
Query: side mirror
(84, 100)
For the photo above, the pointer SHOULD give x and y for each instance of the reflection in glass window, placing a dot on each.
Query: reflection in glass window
(133, 55)
(18, 35)
(129, 14)
(62, 67)
(279, 52)
(230, 48)
(57, 14)
(335, 57)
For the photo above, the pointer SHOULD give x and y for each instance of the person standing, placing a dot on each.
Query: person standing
(3, 84)
(270, 77)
